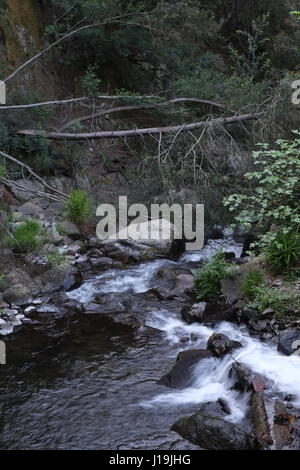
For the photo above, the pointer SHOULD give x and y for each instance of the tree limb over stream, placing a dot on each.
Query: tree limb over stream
(139, 132)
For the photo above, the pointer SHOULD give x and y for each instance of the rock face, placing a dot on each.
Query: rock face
(202, 312)
(60, 277)
(289, 341)
(220, 344)
(214, 433)
(180, 375)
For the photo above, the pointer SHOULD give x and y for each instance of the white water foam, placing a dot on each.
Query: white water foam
(210, 377)
(136, 279)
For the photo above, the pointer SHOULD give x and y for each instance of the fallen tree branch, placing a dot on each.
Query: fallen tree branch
(76, 100)
(140, 107)
(138, 132)
(13, 184)
(26, 167)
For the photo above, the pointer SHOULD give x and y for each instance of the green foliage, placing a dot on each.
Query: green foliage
(78, 206)
(282, 301)
(252, 281)
(208, 278)
(283, 251)
(55, 259)
(24, 238)
(90, 81)
(2, 171)
(274, 192)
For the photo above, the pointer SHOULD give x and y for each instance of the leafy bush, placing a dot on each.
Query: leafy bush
(283, 252)
(24, 238)
(274, 192)
(78, 206)
(252, 281)
(280, 300)
(208, 278)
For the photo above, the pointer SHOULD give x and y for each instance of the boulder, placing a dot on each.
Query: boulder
(203, 312)
(289, 341)
(194, 313)
(180, 375)
(153, 238)
(214, 433)
(246, 379)
(260, 420)
(61, 277)
(220, 344)
(17, 294)
(30, 210)
(69, 229)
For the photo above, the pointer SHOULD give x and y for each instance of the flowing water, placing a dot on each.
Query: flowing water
(90, 382)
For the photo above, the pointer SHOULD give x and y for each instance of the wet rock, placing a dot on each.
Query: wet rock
(17, 294)
(82, 263)
(47, 309)
(215, 408)
(194, 313)
(220, 344)
(283, 426)
(104, 262)
(248, 314)
(247, 380)
(260, 420)
(180, 375)
(74, 248)
(203, 312)
(214, 433)
(289, 341)
(61, 277)
(70, 230)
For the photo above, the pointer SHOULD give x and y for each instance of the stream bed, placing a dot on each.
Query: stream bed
(90, 381)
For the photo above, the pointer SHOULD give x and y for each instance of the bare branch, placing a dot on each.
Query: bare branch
(139, 107)
(75, 100)
(138, 132)
(26, 167)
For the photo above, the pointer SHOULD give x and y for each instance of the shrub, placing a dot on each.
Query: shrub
(278, 299)
(274, 192)
(78, 206)
(252, 281)
(208, 278)
(283, 252)
(24, 238)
